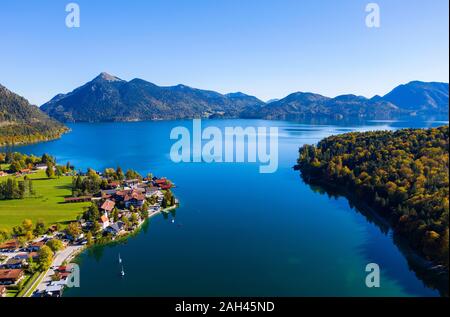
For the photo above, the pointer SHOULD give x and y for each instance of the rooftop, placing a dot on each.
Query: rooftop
(13, 274)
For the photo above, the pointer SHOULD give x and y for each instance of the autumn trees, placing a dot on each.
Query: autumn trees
(403, 174)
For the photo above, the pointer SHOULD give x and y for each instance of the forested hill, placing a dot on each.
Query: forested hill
(109, 98)
(404, 175)
(21, 122)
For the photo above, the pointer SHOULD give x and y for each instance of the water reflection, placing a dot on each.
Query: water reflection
(423, 269)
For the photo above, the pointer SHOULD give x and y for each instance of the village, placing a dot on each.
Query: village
(41, 267)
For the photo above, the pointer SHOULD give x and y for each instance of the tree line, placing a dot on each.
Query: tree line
(404, 175)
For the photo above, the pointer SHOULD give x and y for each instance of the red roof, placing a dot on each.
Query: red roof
(108, 205)
(122, 192)
(64, 274)
(103, 219)
(161, 181)
(33, 255)
(134, 195)
(10, 274)
(11, 244)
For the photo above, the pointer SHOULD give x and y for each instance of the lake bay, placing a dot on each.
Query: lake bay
(237, 232)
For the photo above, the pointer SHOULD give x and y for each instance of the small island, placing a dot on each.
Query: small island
(49, 213)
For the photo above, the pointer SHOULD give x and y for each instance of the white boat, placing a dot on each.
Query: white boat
(120, 260)
(122, 272)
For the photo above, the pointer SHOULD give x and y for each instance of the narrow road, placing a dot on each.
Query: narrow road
(59, 259)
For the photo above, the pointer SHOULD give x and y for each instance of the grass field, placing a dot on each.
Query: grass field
(48, 203)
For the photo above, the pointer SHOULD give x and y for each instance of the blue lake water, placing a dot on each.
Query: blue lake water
(237, 232)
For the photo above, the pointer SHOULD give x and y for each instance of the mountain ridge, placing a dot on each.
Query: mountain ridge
(103, 99)
(21, 122)
(109, 98)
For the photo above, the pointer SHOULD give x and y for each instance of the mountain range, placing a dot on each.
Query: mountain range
(21, 122)
(109, 98)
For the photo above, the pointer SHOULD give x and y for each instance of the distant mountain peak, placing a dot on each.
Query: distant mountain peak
(349, 97)
(104, 76)
(181, 86)
(236, 94)
(421, 97)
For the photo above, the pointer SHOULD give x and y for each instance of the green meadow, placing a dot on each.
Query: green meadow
(47, 204)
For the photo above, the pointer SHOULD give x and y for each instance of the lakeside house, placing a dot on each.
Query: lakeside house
(132, 183)
(13, 263)
(22, 256)
(115, 228)
(35, 246)
(10, 276)
(162, 183)
(104, 221)
(33, 255)
(134, 198)
(108, 205)
(9, 246)
(40, 166)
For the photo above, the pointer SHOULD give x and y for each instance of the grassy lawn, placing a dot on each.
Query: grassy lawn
(47, 204)
(25, 292)
(11, 293)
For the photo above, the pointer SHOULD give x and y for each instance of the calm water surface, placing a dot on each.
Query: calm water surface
(237, 232)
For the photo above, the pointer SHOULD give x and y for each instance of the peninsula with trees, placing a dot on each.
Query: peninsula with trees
(50, 212)
(401, 175)
(21, 122)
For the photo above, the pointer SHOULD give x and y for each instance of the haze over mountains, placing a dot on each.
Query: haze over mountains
(109, 98)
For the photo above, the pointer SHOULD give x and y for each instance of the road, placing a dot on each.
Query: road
(60, 257)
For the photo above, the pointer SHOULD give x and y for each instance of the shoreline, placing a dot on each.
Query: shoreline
(67, 130)
(416, 261)
(79, 249)
(71, 257)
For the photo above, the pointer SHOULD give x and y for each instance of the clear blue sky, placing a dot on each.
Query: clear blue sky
(267, 48)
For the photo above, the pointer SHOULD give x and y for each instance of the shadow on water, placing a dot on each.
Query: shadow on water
(435, 279)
